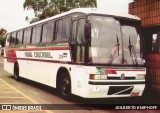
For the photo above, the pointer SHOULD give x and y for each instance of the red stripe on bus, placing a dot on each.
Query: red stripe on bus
(11, 54)
(110, 72)
(115, 71)
(131, 70)
(43, 49)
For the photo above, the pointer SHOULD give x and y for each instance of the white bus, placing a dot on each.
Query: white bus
(85, 52)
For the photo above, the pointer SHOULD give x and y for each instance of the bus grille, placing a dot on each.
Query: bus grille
(120, 90)
(118, 78)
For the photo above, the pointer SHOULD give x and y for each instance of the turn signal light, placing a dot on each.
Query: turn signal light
(98, 77)
(140, 77)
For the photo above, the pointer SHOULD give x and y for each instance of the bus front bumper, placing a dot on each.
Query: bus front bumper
(114, 89)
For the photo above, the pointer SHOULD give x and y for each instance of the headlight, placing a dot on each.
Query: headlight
(140, 76)
(98, 77)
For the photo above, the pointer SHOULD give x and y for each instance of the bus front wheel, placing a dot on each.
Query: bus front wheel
(65, 86)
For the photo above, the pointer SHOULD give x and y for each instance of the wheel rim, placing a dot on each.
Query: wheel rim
(65, 86)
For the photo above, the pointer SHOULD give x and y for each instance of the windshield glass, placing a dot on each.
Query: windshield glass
(105, 31)
(107, 46)
(131, 45)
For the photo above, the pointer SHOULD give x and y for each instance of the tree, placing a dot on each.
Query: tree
(48, 8)
(36, 5)
(2, 41)
(3, 31)
(2, 38)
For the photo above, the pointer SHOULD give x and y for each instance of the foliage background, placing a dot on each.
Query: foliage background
(47, 8)
(2, 36)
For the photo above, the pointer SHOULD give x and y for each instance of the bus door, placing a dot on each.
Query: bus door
(78, 53)
(78, 40)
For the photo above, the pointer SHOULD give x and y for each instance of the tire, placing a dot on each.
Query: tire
(65, 86)
(16, 72)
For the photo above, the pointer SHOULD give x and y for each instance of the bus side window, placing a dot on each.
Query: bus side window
(74, 30)
(19, 37)
(80, 34)
(80, 41)
(66, 28)
(27, 36)
(50, 31)
(8, 39)
(58, 36)
(34, 30)
(73, 40)
(38, 34)
(13, 38)
(44, 33)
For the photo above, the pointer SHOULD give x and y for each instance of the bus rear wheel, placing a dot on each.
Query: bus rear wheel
(16, 72)
(65, 86)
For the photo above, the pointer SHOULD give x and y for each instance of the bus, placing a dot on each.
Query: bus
(85, 52)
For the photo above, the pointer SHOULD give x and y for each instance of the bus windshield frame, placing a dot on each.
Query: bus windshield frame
(115, 41)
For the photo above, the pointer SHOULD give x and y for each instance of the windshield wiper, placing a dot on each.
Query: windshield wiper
(132, 50)
(118, 44)
(113, 51)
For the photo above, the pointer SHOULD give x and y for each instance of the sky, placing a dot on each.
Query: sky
(12, 13)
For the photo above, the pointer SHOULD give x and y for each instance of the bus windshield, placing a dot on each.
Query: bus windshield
(114, 41)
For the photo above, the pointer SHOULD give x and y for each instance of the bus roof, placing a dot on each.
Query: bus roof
(85, 11)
